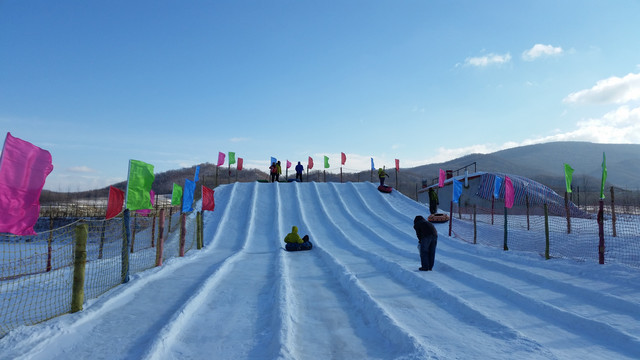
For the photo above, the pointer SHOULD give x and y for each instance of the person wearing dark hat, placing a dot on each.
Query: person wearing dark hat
(427, 240)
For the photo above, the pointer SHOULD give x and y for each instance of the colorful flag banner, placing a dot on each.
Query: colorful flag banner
(115, 202)
(273, 161)
(139, 185)
(344, 158)
(239, 164)
(442, 176)
(196, 177)
(208, 203)
(232, 158)
(176, 195)
(288, 164)
(496, 187)
(326, 162)
(509, 193)
(310, 164)
(457, 190)
(220, 158)
(187, 195)
(397, 165)
(604, 175)
(568, 175)
(372, 166)
(24, 168)
(146, 212)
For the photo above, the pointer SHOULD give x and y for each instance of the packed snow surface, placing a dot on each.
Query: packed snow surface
(357, 295)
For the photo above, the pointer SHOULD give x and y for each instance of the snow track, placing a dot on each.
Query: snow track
(357, 294)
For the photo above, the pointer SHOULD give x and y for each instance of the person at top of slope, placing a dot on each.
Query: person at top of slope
(381, 176)
(278, 171)
(273, 170)
(433, 201)
(299, 170)
(427, 240)
(295, 243)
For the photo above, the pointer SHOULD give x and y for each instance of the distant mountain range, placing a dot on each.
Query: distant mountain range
(540, 162)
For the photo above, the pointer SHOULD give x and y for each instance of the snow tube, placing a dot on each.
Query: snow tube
(438, 218)
(385, 188)
(298, 247)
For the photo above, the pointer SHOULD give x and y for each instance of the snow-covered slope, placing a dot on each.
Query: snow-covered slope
(356, 295)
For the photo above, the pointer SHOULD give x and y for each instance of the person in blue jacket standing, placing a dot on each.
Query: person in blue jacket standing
(299, 170)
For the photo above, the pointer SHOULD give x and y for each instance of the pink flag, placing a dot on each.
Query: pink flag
(509, 193)
(288, 164)
(344, 158)
(221, 158)
(441, 178)
(153, 202)
(239, 166)
(208, 202)
(23, 170)
(310, 165)
(397, 165)
(115, 202)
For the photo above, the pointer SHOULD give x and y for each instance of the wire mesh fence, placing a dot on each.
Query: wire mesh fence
(37, 272)
(551, 235)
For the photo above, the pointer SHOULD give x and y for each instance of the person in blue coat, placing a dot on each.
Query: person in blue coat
(299, 170)
(427, 240)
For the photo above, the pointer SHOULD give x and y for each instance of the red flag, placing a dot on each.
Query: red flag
(310, 165)
(397, 165)
(23, 170)
(509, 193)
(288, 164)
(115, 203)
(208, 203)
(344, 158)
(239, 166)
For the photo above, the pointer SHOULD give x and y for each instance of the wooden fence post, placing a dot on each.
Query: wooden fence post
(505, 247)
(199, 230)
(183, 232)
(601, 232)
(475, 224)
(79, 263)
(613, 214)
(124, 273)
(49, 244)
(160, 247)
(546, 231)
(566, 209)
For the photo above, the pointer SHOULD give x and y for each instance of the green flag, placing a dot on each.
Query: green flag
(176, 195)
(326, 162)
(139, 185)
(568, 174)
(232, 158)
(604, 175)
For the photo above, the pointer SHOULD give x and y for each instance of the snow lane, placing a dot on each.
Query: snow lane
(450, 310)
(224, 307)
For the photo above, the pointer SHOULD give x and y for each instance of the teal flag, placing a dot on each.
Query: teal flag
(176, 195)
(326, 162)
(139, 185)
(604, 175)
(568, 175)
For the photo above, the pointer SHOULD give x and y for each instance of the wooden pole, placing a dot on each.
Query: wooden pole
(79, 265)
(601, 232)
(160, 248)
(124, 273)
(568, 213)
(49, 244)
(183, 233)
(505, 247)
(613, 213)
(546, 231)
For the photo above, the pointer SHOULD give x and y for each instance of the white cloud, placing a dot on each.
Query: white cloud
(487, 60)
(539, 50)
(613, 90)
(238, 139)
(81, 169)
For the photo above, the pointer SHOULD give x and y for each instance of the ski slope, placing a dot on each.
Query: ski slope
(356, 295)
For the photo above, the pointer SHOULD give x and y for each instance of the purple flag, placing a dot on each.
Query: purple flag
(509, 193)
(23, 170)
(221, 156)
(441, 178)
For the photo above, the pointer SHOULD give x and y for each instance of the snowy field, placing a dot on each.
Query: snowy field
(356, 295)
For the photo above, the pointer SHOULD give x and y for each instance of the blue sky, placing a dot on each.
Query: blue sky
(172, 83)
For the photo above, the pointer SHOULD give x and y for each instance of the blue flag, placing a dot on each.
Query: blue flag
(273, 160)
(372, 166)
(195, 178)
(187, 195)
(496, 187)
(457, 190)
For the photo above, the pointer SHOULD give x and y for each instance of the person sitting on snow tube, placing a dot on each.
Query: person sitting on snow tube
(295, 243)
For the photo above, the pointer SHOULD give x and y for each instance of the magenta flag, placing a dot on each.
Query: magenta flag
(24, 168)
(239, 164)
(343, 158)
(441, 178)
(509, 193)
(288, 164)
(221, 158)
(146, 212)
(310, 164)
